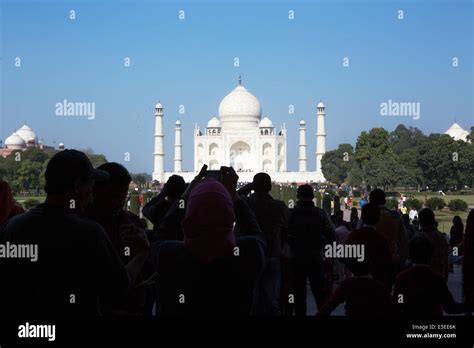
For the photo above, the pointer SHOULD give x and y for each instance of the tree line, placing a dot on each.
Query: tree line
(405, 157)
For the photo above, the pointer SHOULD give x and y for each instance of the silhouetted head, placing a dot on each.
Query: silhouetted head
(457, 220)
(377, 196)
(175, 186)
(370, 214)
(420, 250)
(427, 218)
(262, 182)
(69, 178)
(305, 192)
(209, 220)
(110, 196)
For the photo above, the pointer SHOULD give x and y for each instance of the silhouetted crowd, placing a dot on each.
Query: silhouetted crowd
(219, 250)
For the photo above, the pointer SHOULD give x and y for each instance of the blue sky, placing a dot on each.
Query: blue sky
(190, 62)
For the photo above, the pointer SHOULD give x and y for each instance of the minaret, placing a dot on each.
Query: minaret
(178, 160)
(159, 154)
(302, 147)
(320, 135)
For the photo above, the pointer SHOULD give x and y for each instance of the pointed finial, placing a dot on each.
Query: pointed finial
(240, 79)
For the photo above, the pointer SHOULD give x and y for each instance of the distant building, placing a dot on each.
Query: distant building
(241, 138)
(22, 139)
(457, 132)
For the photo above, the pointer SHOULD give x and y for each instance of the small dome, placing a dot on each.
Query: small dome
(320, 104)
(26, 133)
(214, 123)
(158, 106)
(302, 122)
(265, 123)
(457, 132)
(61, 146)
(178, 123)
(14, 141)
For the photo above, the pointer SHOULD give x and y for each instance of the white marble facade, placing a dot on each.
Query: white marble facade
(241, 138)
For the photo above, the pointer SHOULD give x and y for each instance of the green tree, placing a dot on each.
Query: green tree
(28, 175)
(446, 163)
(403, 138)
(375, 162)
(336, 164)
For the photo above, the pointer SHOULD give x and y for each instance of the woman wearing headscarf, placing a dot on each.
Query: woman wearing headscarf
(8, 207)
(211, 271)
(468, 262)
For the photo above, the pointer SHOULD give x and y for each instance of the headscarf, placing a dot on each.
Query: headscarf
(7, 203)
(208, 222)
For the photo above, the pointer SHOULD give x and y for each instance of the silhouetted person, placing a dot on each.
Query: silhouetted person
(77, 271)
(392, 228)
(468, 262)
(309, 229)
(408, 226)
(376, 246)
(456, 234)
(419, 291)
(156, 209)
(272, 217)
(364, 297)
(428, 228)
(354, 218)
(8, 207)
(213, 272)
(125, 231)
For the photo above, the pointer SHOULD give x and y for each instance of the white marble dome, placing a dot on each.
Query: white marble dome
(178, 123)
(266, 123)
(457, 132)
(27, 133)
(214, 123)
(240, 102)
(320, 104)
(240, 109)
(158, 106)
(302, 122)
(15, 141)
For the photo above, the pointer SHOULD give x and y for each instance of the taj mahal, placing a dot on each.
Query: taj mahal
(241, 138)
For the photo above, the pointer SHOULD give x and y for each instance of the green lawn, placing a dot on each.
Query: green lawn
(421, 196)
(20, 199)
(445, 218)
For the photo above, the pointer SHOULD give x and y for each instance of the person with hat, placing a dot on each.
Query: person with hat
(77, 271)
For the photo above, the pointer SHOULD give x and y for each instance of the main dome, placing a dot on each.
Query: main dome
(27, 133)
(240, 108)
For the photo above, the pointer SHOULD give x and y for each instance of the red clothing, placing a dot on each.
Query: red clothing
(424, 293)
(378, 252)
(8, 208)
(364, 298)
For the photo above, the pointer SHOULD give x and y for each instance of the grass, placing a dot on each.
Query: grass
(469, 199)
(445, 217)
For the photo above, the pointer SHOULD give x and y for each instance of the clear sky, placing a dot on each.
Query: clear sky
(191, 62)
